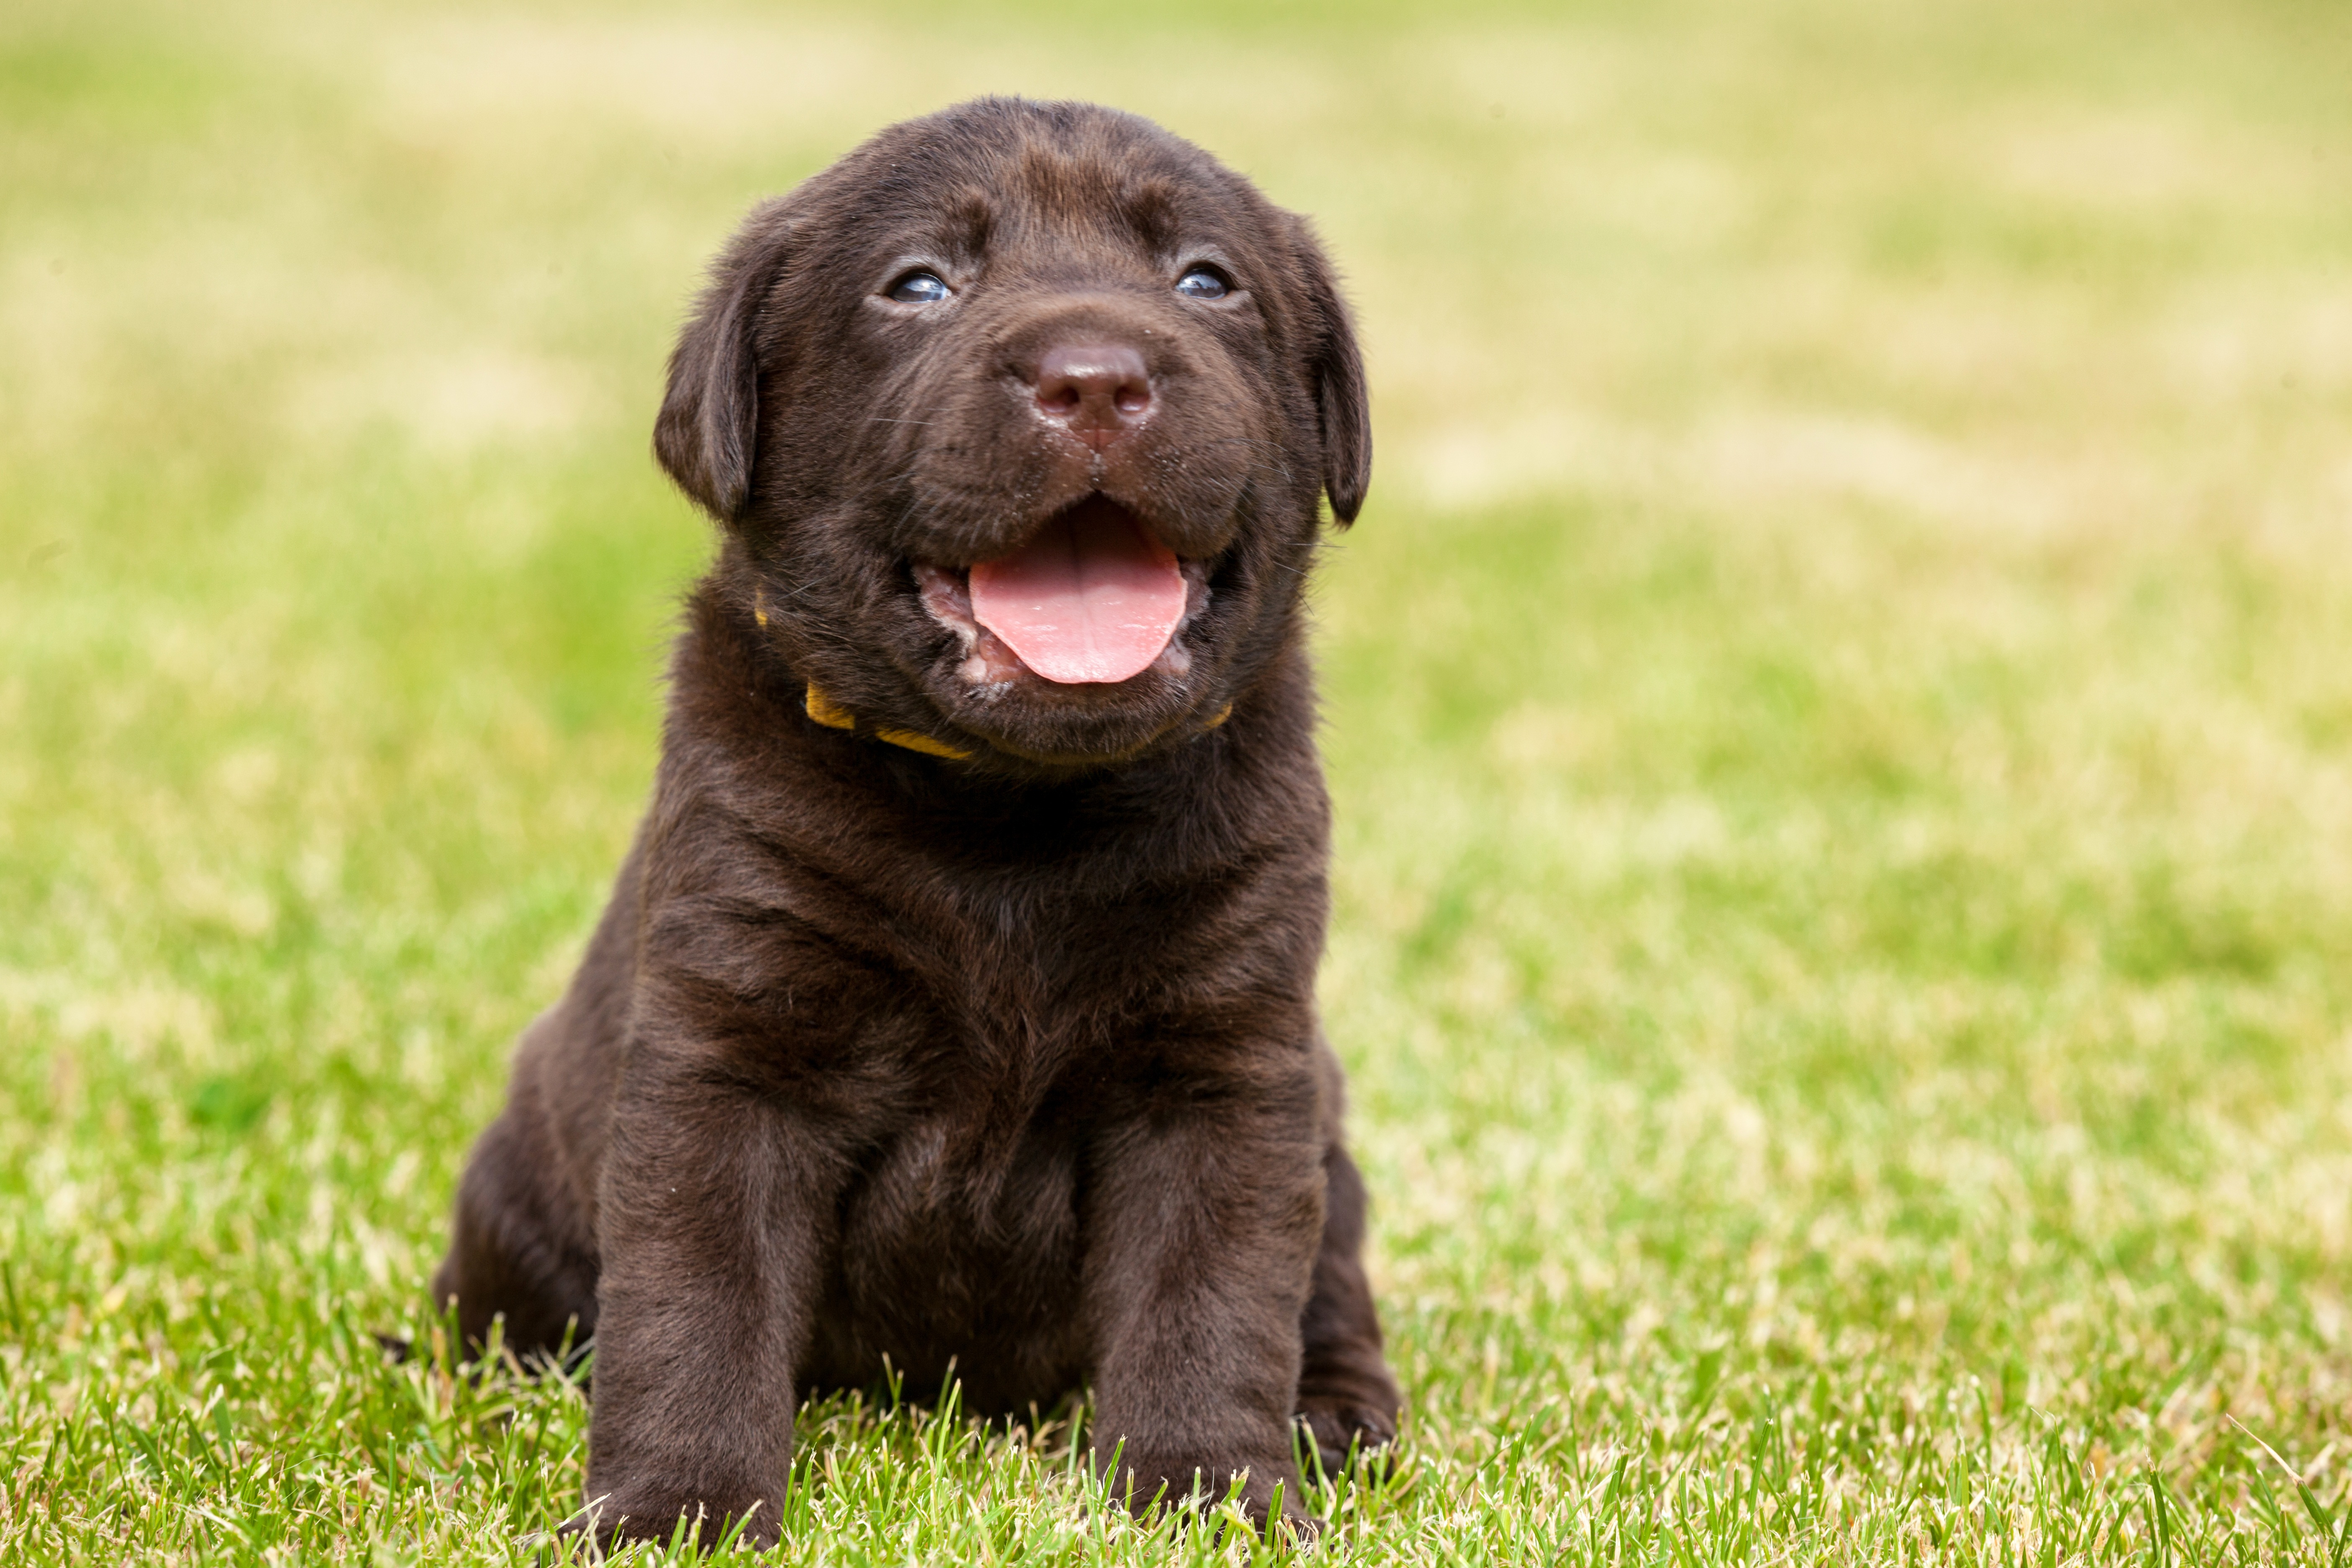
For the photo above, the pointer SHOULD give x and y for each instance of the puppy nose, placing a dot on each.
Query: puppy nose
(1097, 392)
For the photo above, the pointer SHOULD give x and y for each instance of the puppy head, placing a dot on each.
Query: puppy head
(1018, 418)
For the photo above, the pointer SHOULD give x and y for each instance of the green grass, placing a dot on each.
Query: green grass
(1840, 710)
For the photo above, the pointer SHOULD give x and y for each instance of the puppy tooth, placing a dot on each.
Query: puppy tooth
(1196, 592)
(946, 600)
(989, 663)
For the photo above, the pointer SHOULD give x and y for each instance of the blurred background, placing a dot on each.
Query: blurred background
(1840, 710)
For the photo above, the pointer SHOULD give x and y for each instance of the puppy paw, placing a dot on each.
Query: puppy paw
(617, 1522)
(1147, 1481)
(1347, 1435)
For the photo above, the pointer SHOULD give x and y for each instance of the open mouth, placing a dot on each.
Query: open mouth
(1092, 599)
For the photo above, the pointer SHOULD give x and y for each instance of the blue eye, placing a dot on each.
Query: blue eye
(1204, 283)
(921, 287)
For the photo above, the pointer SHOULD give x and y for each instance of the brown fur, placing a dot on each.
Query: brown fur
(1012, 1060)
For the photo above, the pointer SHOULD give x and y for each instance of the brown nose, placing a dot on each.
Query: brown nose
(1097, 392)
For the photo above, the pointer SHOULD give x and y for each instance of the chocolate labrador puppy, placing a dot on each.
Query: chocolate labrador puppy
(955, 1003)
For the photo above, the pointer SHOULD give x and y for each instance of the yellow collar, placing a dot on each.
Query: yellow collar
(834, 716)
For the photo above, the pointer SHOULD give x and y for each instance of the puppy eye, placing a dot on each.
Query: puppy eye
(1205, 283)
(921, 287)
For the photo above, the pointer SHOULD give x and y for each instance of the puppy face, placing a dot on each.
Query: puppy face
(1019, 417)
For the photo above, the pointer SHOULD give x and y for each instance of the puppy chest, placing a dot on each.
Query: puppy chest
(957, 1224)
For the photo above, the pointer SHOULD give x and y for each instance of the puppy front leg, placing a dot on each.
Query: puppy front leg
(1201, 1243)
(714, 1225)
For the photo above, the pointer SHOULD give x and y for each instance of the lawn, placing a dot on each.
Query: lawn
(1839, 708)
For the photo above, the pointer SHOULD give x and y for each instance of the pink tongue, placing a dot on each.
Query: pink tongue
(1094, 597)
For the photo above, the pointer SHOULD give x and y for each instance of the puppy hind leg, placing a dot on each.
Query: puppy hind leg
(1347, 1398)
(511, 1254)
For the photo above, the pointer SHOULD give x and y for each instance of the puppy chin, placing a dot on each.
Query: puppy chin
(1060, 726)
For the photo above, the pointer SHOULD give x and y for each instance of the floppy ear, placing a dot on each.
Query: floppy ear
(1342, 404)
(707, 432)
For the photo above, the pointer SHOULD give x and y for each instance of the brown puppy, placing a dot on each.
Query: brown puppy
(957, 999)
